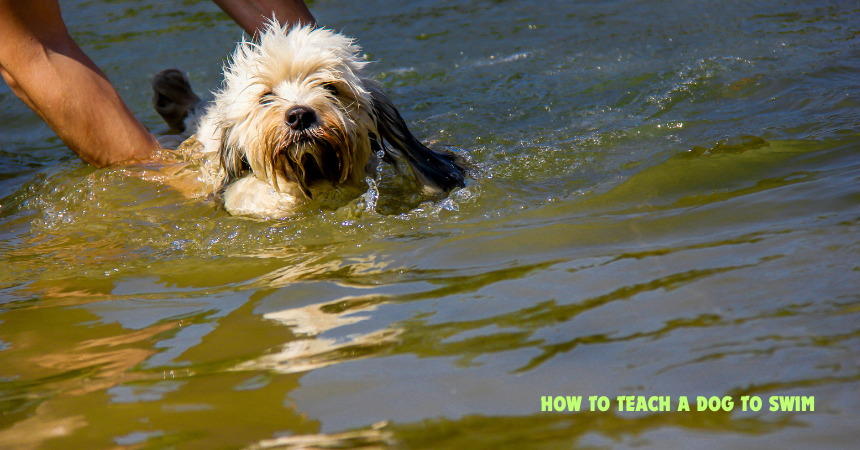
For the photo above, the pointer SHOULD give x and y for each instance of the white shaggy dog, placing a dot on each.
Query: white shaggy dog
(296, 117)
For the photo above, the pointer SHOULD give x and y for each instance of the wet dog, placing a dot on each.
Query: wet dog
(295, 117)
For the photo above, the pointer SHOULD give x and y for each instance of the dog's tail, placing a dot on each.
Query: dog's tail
(437, 172)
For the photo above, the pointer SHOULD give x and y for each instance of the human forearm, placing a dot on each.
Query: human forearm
(53, 76)
(251, 15)
(82, 107)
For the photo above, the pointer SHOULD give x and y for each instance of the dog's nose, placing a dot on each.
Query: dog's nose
(300, 118)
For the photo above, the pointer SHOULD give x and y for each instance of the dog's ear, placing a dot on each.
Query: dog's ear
(232, 160)
(437, 172)
(173, 98)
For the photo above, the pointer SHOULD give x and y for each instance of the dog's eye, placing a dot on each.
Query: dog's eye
(267, 98)
(331, 88)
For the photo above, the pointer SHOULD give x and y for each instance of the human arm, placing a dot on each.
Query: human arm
(252, 15)
(53, 76)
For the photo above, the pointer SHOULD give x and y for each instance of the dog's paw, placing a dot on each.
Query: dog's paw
(249, 196)
(173, 98)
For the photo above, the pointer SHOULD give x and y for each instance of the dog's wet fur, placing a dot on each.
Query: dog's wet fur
(295, 116)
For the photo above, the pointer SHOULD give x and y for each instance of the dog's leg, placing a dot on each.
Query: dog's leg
(173, 98)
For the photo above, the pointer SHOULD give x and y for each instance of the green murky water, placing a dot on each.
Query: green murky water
(669, 205)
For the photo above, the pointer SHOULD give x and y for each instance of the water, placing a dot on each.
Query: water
(667, 202)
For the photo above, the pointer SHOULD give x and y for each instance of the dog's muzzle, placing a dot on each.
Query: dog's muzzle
(315, 159)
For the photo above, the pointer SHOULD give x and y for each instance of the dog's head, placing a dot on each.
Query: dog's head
(296, 110)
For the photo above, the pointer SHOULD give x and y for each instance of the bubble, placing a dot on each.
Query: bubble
(371, 197)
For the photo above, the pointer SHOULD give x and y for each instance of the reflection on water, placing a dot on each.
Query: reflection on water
(313, 351)
(666, 201)
(370, 439)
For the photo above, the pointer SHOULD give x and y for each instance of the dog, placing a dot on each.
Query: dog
(296, 117)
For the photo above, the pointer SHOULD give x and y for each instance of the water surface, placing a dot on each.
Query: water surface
(668, 203)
